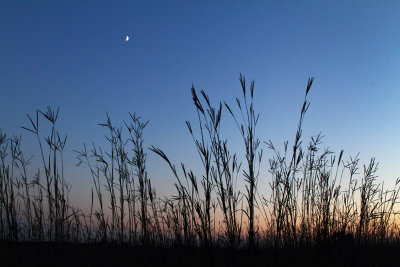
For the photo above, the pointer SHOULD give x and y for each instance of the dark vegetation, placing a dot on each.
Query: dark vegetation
(319, 209)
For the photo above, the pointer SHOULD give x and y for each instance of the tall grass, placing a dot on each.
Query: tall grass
(314, 195)
(220, 173)
(247, 123)
(32, 209)
(126, 182)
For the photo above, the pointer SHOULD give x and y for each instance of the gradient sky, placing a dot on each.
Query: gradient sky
(73, 54)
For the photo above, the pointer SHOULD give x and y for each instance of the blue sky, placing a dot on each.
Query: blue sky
(73, 54)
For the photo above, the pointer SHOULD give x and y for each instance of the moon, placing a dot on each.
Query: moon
(127, 38)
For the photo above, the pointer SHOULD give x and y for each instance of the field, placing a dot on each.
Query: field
(320, 208)
(67, 254)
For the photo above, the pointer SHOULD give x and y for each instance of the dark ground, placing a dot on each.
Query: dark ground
(52, 254)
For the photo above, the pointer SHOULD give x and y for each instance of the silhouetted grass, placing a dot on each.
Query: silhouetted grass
(317, 206)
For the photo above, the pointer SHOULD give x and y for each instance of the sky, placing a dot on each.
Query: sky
(74, 55)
